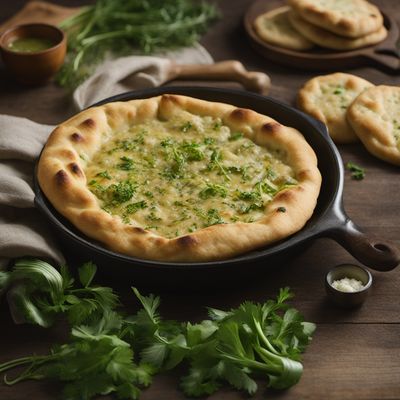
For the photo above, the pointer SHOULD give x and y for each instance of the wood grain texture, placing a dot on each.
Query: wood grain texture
(39, 11)
(355, 354)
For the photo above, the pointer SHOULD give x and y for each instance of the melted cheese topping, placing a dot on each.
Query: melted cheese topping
(174, 177)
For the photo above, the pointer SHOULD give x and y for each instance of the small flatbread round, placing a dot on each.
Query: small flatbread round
(327, 39)
(275, 28)
(327, 98)
(375, 117)
(348, 18)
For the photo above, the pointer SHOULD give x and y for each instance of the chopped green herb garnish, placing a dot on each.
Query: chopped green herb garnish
(167, 142)
(126, 145)
(266, 187)
(202, 166)
(187, 126)
(213, 190)
(246, 208)
(248, 196)
(235, 136)
(104, 174)
(213, 217)
(192, 228)
(134, 207)
(215, 163)
(153, 217)
(121, 192)
(357, 172)
(339, 90)
(192, 151)
(271, 174)
(127, 164)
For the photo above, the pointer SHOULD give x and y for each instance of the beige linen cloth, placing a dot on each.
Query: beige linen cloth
(23, 231)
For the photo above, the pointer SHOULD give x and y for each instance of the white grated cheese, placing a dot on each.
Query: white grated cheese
(349, 285)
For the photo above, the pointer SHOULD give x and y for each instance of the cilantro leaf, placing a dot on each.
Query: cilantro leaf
(86, 273)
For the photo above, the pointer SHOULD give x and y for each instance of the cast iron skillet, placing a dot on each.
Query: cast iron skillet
(329, 218)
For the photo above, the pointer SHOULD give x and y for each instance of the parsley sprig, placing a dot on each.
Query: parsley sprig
(110, 352)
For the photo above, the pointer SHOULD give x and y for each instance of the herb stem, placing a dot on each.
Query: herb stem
(263, 337)
(15, 363)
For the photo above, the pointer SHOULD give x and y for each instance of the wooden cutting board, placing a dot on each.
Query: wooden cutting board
(384, 55)
(39, 11)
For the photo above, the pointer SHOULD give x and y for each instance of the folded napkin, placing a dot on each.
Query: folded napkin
(23, 232)
(134, 72)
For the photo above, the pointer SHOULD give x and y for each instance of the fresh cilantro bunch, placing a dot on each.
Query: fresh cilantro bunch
(253, 340)
(110, 352)
(96, 361)
(38, 293)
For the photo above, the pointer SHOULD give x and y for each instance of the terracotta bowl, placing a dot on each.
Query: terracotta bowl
(34, 67)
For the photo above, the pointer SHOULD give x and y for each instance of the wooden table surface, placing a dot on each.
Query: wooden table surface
(355, 354)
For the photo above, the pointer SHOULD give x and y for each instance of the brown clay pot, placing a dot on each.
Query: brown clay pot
(34, 67)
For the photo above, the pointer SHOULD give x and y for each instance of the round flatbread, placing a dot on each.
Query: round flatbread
(327, 39)
(327, 98)
(275, 28)
(175, 178)
(348, 18)
(375, 118)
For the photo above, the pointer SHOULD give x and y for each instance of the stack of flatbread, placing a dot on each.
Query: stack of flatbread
(333, 24)
(354, 109)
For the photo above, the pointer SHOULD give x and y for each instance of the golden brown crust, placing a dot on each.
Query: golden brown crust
(62, 179)
(325, 38)
(275, 28)
(374, 116)
(352, 19)
(327, 98)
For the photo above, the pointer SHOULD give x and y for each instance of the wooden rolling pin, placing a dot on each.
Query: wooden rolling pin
(231, 70)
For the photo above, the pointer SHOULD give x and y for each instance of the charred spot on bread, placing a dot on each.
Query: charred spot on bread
(88, 123)
(186, 241)
(271, 127)
(140, 230)
(241, 114)
(344, 24)
(74, 167)
(304, 174)
(61, 177)
(170, 97)
(285, 195)
(76, 137)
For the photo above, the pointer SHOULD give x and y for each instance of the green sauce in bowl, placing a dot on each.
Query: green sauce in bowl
(30, 44)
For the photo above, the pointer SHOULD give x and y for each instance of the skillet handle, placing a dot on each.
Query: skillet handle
(377, 254)
(383, 59)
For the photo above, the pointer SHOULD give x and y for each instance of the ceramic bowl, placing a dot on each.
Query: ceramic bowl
(348, 299)
(34, 67)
